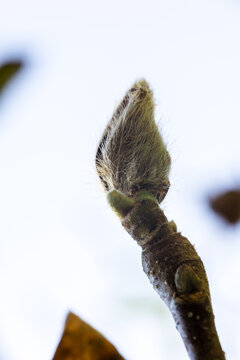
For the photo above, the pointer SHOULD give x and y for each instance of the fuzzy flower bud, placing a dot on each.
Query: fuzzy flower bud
(132, 156)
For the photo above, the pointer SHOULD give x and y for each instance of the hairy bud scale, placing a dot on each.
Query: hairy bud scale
(132, 156)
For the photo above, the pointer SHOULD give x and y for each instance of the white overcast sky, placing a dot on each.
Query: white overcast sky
(61, 247)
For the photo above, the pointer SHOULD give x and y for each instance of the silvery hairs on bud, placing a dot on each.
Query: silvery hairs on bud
(132, 156)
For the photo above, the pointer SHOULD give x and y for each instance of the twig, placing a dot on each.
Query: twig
(133, 165)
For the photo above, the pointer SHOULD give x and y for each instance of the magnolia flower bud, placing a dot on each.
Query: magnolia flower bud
(132, 156)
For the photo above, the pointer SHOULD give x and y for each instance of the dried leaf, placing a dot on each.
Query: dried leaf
(82, 342)
(227, 205)
(7, 71)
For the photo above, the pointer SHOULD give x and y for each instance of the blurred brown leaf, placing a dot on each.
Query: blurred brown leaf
(82, 342)
(7, 72)
(227, 205)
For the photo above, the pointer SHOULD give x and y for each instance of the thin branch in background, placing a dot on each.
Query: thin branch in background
(133, 165)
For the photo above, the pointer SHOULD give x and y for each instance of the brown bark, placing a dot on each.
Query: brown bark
(178, 275)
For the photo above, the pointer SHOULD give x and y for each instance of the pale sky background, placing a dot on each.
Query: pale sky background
(61, 246)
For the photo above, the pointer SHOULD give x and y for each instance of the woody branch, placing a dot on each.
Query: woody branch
(133, 165)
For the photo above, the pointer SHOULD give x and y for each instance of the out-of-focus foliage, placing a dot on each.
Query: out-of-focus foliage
(7, 72)
(82, 342)
(227, 205)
